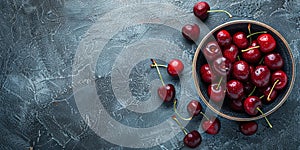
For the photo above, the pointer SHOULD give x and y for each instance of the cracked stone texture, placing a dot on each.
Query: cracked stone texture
(38, 41)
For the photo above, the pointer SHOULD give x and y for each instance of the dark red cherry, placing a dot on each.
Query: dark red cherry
(211, 126)
(266, 93)
(216, 92)
(194, 107)
(222, 66)
(236, 105)
(191, 32)
(175, 67)
(248, 128)
(212, 51)
(251, 104)
(281, 77)
(274, 61)
(240, 40)
(231, 53)
(200, 10)
(252, 56)
(235, 89)
(224, 38)
(240, 70)
(260, 77)
(206, 73)
(166, 92)
(266, 42)
(192, 139)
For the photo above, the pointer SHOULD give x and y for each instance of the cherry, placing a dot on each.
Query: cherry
(266, 92)
(191, 139)
(260, 77)
(211, 126)
(224, 38)
(279, 78)
(254, 43)
(216, 92)
(235, 89)
(206, 73)
(274, 61)
(212, 51)
(191, 32)
(167, 91)
(194, 107)
(231, 53)
(240, 70)
(266, 42)
(201, 10)
(252, 105)
(252, 55)
(222, 66)
(175, 67)
(240, 40)
(248, 128)
(236, 105)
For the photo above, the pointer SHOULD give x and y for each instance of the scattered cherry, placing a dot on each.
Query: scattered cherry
(194, 108)
(273, 61)
(175, 67)
(191, 139)
(248, 128)
(211, 126)
(167, 91)
(191, 32)
(201, 10)
(266, 42)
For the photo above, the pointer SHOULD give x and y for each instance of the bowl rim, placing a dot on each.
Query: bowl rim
(196, 81)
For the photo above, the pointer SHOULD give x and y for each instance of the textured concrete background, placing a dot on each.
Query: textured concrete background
(38, 40)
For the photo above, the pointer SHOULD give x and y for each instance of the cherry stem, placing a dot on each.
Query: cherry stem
(238, 57)
(260, 62)
(251, 48)
(159, 74)
(270, 125)
(261, 96)
(184, 130)
(268, 98)
(224, 11)
(204, 115)
(175, 110)
(256, 33)
(252, 91)
(249, 30)
(219, 83)
(158, 65)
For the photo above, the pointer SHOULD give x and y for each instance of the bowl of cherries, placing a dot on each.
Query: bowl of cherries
(244, 70)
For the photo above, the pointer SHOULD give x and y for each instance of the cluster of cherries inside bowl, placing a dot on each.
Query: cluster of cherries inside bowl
(251, 67)
(248, 65)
